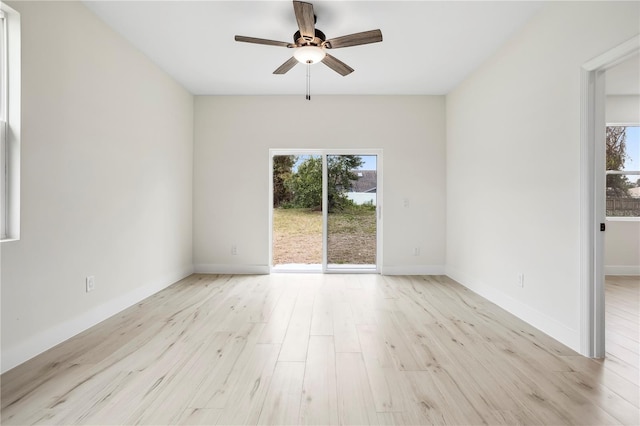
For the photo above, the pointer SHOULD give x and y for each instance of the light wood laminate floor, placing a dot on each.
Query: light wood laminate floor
(327, 349)
(622, 324)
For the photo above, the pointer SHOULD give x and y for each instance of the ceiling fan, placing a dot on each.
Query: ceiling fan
(311, 44)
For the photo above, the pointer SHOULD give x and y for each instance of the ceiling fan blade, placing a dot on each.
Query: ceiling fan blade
(306, 19)
(337, 65)
(282, 69)
(366, 37)
(263, 41)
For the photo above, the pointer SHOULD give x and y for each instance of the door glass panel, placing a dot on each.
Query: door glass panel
(297, 212)
(352, 184)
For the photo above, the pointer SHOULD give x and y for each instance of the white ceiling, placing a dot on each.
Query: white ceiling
(429, 47)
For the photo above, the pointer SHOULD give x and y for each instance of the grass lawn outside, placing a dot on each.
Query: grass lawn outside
(297, 236)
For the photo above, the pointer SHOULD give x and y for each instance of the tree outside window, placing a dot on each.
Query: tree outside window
(623, 176)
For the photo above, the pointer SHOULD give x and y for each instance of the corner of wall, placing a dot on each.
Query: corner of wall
(46, 339)
(537, 319)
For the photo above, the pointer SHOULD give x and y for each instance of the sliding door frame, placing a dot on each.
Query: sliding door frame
(324, 153)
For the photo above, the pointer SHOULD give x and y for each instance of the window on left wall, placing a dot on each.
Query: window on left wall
(9, 123)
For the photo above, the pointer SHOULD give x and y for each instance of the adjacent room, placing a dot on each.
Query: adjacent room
(475, 165)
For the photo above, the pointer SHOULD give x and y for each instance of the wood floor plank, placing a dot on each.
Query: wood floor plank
(79, 387)
(622, 322)
(319, 405)
(593, 372)
(397, 344)
(199, 416)
(610, 402)
(366, 301)
(250, 384)
(232, 352)
(210, 360)
(628, 356)
(236, 309)
(276, 328)
(262, 303)
(619, 366)
(429, 405)
(355, 402)
(322, 315)
(296, 340)
(560, 402)
(384, 379)
(391, 419)
(328, 349)
(622, 340)
(282, 402)
(344, 328)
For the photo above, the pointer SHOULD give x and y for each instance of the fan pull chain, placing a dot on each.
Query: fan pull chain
(308, 80)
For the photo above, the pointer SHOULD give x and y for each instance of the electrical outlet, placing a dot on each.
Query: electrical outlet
(234, 250)
(406, 203)
(520, 280)
(90, 283)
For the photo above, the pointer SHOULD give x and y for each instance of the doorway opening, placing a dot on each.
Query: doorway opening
(325, 210)
(622, 237)
(593, 204)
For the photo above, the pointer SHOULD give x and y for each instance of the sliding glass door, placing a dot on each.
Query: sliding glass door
(325, 211)
(296, 220)
(351, 219)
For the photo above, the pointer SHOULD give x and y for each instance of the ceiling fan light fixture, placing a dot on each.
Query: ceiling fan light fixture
(309, 54)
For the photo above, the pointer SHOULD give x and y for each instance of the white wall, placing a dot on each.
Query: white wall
(622, 248)
(513, 164)
(622, 239)
(623, 109)
(107, 142)
(233, 136)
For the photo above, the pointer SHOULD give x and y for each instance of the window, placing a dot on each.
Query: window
(3, 120)
(9, 123)
(623, 171)
(3, 66)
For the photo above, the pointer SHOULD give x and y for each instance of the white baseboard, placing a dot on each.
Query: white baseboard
(537, 319)
(622, 270)
(35, 345)
(214, 268)
(413, 270)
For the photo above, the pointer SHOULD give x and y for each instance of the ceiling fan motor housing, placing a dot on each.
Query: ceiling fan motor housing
(300, 40)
